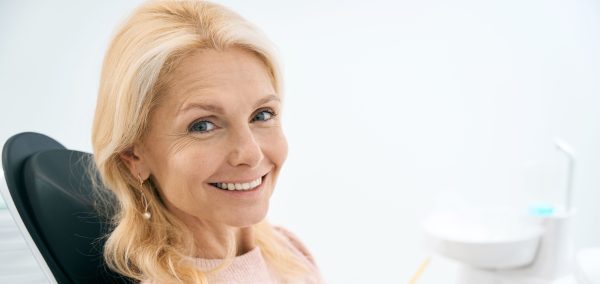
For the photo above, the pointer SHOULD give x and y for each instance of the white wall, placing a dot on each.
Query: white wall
(393, 108)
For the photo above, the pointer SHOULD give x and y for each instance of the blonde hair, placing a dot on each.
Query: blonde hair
(143, 52)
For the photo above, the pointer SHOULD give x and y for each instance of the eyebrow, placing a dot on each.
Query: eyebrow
(220, 110)
(266, 100)
(206, 107)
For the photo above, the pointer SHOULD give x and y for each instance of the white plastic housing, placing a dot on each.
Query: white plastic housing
(486, 241)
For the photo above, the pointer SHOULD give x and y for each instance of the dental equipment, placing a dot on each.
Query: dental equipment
(493, 248)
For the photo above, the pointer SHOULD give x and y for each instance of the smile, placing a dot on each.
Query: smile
(239, 186)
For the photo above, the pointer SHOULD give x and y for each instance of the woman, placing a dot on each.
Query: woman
(187, 135)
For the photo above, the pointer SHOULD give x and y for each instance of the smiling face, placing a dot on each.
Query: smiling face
(215, 146)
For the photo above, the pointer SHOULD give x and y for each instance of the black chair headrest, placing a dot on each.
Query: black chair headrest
(53, 193)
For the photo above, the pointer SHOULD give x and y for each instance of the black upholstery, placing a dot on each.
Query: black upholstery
(52, 191)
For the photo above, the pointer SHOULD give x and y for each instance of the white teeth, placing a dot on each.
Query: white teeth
(239, 186)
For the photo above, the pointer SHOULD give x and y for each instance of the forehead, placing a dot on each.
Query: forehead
(210, 68)
(231, 76)
(231, 82)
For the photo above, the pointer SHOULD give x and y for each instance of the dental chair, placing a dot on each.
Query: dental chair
(51, 198)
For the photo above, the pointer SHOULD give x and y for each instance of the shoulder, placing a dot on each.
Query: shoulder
(295, 243)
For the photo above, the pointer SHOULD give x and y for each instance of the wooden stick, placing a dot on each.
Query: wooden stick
(419, 271)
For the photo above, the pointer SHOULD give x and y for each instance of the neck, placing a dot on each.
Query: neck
(215, 241)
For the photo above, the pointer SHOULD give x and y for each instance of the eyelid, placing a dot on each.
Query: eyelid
(209, 119)
(267, 109)
(212, 118)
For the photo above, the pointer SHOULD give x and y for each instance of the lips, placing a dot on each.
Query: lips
(239, 186)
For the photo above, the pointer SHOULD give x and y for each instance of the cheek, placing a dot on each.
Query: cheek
(194, 164)
(181, 173)
(275, 147)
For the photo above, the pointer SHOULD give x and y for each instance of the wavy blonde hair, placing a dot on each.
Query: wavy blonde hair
(157, 36)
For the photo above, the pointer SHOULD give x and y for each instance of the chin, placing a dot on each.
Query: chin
(248, 218)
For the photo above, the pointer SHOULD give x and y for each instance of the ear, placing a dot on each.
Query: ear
(134, 159)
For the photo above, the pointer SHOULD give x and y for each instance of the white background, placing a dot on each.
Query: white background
(393, 109)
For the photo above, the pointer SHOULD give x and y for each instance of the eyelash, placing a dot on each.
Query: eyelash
(267, 110)
(271, 112)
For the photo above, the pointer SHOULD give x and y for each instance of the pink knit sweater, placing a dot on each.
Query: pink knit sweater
(252, 268)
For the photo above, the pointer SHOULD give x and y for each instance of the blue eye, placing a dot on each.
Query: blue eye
(202, 126)
(263, 115)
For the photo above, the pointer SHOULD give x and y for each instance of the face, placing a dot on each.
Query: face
(215, 145)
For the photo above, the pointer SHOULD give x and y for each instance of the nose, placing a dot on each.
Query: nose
(245, 150)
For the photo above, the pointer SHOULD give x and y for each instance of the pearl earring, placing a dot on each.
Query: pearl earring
(146, 214)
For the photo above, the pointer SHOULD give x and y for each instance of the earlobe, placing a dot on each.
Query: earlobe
(135, 162)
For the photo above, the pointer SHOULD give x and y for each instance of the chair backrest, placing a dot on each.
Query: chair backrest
(51, 188)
